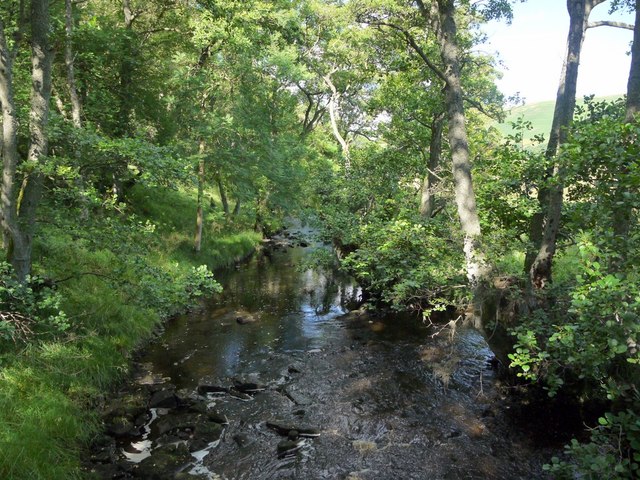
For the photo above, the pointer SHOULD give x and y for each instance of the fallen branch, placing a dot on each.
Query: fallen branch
(21, 325)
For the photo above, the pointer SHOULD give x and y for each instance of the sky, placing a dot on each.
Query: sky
(532, 49)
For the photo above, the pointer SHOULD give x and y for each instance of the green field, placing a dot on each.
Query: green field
(539, 114)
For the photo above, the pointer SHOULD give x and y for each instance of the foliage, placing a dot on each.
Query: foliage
(406, 264)
(279, 106)
(117, 277)
(613, 451)
(585, 341)
(30, 308)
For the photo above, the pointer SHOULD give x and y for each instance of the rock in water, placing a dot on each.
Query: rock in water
(203, 389)
(218, 418)
(165, 462)
(246, 319)
(163, 399)
(240, 395)
(287, 447)
(285, 429)
(120, 427)
(242, 440)
(250, 387)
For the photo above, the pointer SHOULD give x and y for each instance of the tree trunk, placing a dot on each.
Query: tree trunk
(11, 232)
(68, 60)
(633, 84)
(623, 213)
(223, 195)
(236, 209)
(427, 200)
(197, 243)
(333, 117)
(551, 198)
(442, 18)
(126, 73)
(76, 104)
(18, 216)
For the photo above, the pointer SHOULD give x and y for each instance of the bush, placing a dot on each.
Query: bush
(28, 309)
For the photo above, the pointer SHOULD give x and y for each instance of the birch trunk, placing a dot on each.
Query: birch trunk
(334, 119)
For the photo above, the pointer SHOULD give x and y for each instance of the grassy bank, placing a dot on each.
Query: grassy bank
(118, 276)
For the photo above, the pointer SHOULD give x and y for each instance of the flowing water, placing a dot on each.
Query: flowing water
(388, 398)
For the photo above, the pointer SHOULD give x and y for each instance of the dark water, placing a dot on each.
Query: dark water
(391, 400)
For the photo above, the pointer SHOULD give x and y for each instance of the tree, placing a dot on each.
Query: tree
(633, 83)
(76, 106)
(441, 17)
(546, 223)
(19, 208)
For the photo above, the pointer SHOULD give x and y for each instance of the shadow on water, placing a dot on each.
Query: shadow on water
(388, 400)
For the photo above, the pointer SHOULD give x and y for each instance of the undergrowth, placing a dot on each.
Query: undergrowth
(115, 279)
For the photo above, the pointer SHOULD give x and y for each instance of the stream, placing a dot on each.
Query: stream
(279, 377)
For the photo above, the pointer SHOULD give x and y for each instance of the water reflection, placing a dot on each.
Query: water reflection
(391, 401)
(292, 308)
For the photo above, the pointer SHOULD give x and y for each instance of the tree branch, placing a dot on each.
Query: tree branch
(82, 274)
(413, 44)
(610, 23)
(146, 33)
(478, 106)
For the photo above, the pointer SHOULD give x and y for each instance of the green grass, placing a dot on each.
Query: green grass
(540, 114)
(49, 389)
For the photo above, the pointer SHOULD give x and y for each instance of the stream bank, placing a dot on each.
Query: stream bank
(277, 378)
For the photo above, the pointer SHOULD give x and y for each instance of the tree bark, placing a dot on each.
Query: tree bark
(236, 209)
(197, 243)
(18, 215)
(545, 226)
(446, 31)
(126, 73)
(69, 62)
(623, 214)
(633, 84)
(333, 117)
(10, 156)
(223, 195)
(427, 200)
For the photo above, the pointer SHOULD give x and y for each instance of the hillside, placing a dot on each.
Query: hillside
(539, 114)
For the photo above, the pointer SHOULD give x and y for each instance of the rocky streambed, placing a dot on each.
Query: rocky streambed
(278, 378)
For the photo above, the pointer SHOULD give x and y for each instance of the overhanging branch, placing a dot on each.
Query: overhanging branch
(610, 23)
